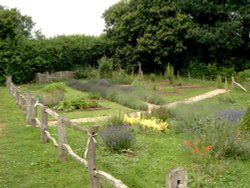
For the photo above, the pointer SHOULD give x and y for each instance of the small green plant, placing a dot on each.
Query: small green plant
(160, 113)
(170, 74)
(228, 98)
(105, 68)
(80, 103)
(219, 82)
(95, 96)
(245, 124)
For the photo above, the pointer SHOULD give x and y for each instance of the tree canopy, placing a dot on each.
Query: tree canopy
(180, 31)
(149, 32)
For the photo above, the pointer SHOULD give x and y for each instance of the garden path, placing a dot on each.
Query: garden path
(153, 106)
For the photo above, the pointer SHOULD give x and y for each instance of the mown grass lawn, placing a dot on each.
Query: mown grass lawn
(28, 163)
(25, 162)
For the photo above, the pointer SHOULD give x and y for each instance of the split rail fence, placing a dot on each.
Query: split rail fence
(29, 104)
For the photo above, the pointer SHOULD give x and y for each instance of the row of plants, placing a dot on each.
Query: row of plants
(125, 95)
(53, 95)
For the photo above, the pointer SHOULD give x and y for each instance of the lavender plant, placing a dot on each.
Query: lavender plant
(117, 137)
(232, 115)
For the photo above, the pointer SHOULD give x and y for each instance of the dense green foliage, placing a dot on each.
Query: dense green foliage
(201, 37)
(150, 32)
(180, 32)
(22, 55)
(220, 32)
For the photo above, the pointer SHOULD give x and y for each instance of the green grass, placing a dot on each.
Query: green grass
(27, 163)
(109, 108)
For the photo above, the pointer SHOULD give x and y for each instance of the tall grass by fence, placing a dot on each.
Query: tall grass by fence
(29, 105)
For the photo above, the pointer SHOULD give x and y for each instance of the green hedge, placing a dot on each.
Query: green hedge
(53, 54)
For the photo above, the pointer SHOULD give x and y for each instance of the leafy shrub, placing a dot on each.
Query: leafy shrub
(244, 76)
(117, 137)
(223, 136)
(54, 87)
(245, 124)
(160, 113)
(51, 99)
(85, 71)
(170, 74)
(69, 105)
(94, 96)
(52, 94)
(105, 67)
(121, 77)
(219, 82)
(227, 98)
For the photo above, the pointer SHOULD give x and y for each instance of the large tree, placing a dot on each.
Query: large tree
(221, 31)
(149, 32)
(15, 28)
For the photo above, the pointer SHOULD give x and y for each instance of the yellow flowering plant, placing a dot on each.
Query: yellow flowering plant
(152, 123)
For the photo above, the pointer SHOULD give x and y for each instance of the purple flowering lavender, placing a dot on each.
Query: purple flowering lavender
(117, 137)
(232, 115)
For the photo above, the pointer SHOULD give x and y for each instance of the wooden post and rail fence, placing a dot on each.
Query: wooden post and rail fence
(175, 178)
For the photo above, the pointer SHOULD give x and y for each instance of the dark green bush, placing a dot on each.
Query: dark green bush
(105, 68)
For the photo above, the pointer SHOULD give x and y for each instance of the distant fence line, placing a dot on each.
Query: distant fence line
(176, 178)
(55, 76)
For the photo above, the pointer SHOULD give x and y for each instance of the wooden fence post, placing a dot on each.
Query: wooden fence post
(176, 178)
(44, 126)
(91, 157)
(61, 139)
(28, 108)
(33, 111)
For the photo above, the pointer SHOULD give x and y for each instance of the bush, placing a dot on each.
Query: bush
(244, 76)
(245, 124)
(223, 136)
(121, 77)
(54, 87)
(85, 71)
(105, 67)
(80, 103)
(227, 98)
(52, 94)
(117, 137)
(160, 113)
